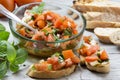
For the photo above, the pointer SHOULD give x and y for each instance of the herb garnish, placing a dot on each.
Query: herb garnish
(38, 9)
(10, 58)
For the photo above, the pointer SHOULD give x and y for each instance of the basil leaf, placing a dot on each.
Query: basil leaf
(4, 35)
(21, 56)
(3, 69)
(2, 28)
(38, 9)
(11, 53)
(14, 67)
(3, 47)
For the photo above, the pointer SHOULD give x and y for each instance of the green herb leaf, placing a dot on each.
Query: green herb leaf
(3, 69)
(14, 67)
(4, 35)
(3, 46)
(56, 54)
(2, 28)
(11, 53)
(67, 32)
(38, 9)
(50, 67)
(21, 56)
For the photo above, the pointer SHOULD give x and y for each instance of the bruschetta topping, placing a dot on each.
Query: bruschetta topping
(58, 61)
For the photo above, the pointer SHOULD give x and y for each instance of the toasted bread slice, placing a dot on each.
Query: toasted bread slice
(102, 68)
(102, 16)
(115, 37)
(98, 19)
(102, 24)
(51, 74)
(104, 34)
(97, 6)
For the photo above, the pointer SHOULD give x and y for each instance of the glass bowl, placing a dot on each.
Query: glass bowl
(42, 48)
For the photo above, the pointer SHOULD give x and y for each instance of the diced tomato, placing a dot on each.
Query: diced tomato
(83, 50)
(65, 37)
(91, 58)
(53, 60)
(58, 23)
(22, 32)
(92, 49)
(87, 39)
(42, 66)
(72, 23)
(48, 17)
(39, 17)
(68, 54)
(36, 36)
(65, 24)
(51, 16)
(75, 31)
(75, 59)
(41, 24)
(103, 55)
(59, 66)
(50, 38)
(68, 62)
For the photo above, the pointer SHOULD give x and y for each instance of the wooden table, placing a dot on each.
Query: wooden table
(81, 73)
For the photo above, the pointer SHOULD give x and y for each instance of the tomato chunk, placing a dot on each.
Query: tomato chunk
(103, 55)
(91, 58)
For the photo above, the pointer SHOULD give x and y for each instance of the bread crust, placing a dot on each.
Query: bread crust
(98, 6)
(115, 37)
(104, 34)
(51, 74)
(100, 68)
(102, 24)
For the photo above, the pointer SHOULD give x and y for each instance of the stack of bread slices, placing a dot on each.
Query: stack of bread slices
(103, 16)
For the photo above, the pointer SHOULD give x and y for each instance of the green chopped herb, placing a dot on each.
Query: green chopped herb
(56, 54)
(49, 66)
(49, 23)
(38, 9)
(67, 32)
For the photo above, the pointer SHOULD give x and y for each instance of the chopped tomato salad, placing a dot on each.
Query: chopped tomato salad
(58, 61)
(51, 26)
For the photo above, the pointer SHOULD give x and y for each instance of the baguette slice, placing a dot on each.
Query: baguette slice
(104, 34)
(102, 24)
(115, 37)
(51, 74)
(97, 6)
(105, 68)
(101, 16)
(98, 19)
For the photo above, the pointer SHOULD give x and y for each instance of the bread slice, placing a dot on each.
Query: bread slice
(115, 37)
(102, 68)
(98, 19)
(102, 16)
(104, 34)
(82, 60)
(51, 74)
(97, 6)
(102, 24)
